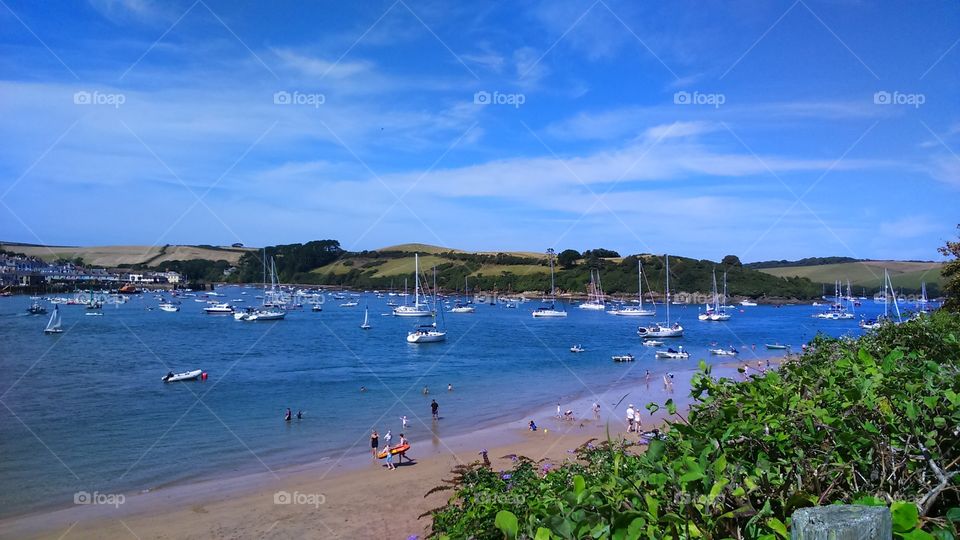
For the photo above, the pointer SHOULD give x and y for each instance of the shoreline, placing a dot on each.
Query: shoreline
(350, 485)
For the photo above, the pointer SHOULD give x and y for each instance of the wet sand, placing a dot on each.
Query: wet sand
(354, 496)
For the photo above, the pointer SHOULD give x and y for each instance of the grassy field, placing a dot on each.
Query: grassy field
(430, 249)
(866, 273)
(111, 256)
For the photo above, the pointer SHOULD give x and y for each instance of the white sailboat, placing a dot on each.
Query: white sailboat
(55, 323)
(273, 299)
(638, 310)
(415, 310)
(595, 299)
(664, 329)
(549, 309)
(366, 319)
(429, 333)
(463, 306)
(715, 312)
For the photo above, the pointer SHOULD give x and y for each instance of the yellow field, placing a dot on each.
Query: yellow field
(110, 256)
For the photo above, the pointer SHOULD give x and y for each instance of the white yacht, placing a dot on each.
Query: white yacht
(417, 309)
(679, 354)
(218, 309)
(638, 310)
(664, 329)
(548, 308)
(168, 307)
(595, 299)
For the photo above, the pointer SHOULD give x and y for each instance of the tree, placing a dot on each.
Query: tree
(951, 274)
(568, 258)
(600, 253)
(731, 261)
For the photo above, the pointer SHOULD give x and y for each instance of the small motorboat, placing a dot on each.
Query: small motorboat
(36, 309)
(623, 358)
(673, 354)
(218, 309)
(350, 304)
(94, 314)
(725, 352)
(576, 349)
(316, 307)
(748, 303)
(777, 346)
(185, 376)
(652, 343)
(168, 307)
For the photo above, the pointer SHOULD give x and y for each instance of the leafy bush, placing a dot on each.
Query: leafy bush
(872, 421)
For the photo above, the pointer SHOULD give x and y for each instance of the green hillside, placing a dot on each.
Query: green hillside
(868, 274)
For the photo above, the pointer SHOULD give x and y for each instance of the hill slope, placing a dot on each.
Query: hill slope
(869, 274)
(112, 256)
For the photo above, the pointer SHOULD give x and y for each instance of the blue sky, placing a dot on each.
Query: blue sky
(700, 128)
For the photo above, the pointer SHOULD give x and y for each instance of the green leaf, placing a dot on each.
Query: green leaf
(578, 484)
(953, 515)
(655, 450)
(905, 516)
(916, 534)
(507, 522)
(778, 527)
(671, 406)
(635, 529)
(543, 533)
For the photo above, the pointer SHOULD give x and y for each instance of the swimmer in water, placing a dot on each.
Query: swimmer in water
(287, 416)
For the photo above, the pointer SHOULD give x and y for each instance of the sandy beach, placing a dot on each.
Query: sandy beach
(351, 496)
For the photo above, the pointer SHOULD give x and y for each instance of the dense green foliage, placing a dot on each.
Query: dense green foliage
(951, 273)
(196, 270)
(294, 261)
(873, 421)
(809, 261)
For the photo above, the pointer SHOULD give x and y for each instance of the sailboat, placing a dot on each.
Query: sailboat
(55, 323)
(638, 310)
(548, 308)
(873, 324)
(837, 310)
(715, 313)
(428, 333)
(366, 318)
(595, 300)
(664, 329)
(463, 306)
(415, 310)
(272, 299)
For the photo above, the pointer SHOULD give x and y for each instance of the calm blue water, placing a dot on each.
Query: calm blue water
(86, 410)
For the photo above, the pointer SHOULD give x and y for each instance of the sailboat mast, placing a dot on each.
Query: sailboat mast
(667, 257)
(640, 282)
(416, 281)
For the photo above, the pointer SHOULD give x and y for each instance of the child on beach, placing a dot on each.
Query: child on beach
(533, 427)
(388, 437)
(403, 420)
(389, 458)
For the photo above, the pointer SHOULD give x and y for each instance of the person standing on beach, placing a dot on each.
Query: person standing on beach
(631, 417)
(596, 410)
(390, 465)
(388, 437)
(648, 376)
(559, 414)
(374, 442)
(403, 420)
(435, 408)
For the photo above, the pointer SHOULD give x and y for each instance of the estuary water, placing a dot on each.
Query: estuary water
(86, 410)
